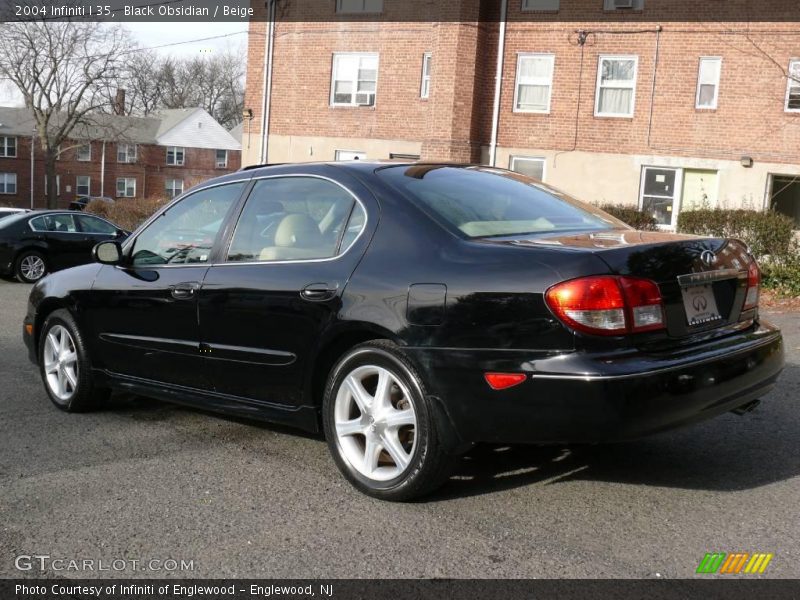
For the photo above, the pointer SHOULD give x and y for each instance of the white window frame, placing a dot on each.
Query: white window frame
(337, 154)
(360, 55)
(425, 84)
(700, 82)
(677, 194)
(4, 146)
(791, 84)
(130, 157)
(512, 161)
(78, 153)
(128, 187)
(362, 10)
(174, 190)
(58, 185)
(220, 165)
(599, 86)
(175, 150)
(540, 5)
(5, 177)
(535, 81)
(88, 185)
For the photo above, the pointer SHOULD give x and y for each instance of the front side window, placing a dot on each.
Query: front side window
(354, 80)
(708, 82)
(173, 187)
(91, 224)
(222, 159)
(8, 147)
(534, 83)
(175, 156)
(616, 86)
(425, 90)
(8, 183)
(83, 184)
(185, 232)
(126, 153)
(296, 218)
(530, 166)
(793, 91)
(126, 187)
(84, 153)
(477, 202)
(359, 6)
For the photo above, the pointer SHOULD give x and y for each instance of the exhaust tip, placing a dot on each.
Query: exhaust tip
(746, 408)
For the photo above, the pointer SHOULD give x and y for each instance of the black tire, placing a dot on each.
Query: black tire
(85, 395)
(20, 265)
(429, 465)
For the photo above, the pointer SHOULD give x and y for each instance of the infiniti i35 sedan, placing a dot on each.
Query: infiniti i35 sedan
(409, 311)
(34, 243)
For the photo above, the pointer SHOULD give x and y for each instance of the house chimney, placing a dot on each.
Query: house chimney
(119, 102)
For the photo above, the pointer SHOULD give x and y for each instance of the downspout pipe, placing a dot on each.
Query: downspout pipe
(267, 88)
(498, 83)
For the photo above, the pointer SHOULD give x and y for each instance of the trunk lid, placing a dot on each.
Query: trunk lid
(703, 281)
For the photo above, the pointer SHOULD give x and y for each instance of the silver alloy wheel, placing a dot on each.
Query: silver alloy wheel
(375, 423)
(61, 363)
(32, 267)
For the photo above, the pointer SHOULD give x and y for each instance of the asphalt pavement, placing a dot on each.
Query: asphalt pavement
(143, 481)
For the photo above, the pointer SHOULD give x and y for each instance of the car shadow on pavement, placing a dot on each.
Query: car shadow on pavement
(728, 453)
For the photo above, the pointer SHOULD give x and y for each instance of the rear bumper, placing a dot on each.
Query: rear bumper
(581, 397)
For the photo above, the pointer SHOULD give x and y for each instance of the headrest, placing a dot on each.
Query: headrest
(298, 230)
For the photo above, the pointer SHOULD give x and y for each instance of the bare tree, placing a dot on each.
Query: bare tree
(143, 81)
(64, 72)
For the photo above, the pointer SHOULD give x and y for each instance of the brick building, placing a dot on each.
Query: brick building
(662, 103)
(119, 157)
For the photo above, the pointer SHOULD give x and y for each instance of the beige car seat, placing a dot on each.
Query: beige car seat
(297, 237)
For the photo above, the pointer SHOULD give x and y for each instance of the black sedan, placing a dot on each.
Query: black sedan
(35, 243)
(409, 311)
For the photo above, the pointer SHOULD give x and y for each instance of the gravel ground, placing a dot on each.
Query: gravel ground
(143, 480)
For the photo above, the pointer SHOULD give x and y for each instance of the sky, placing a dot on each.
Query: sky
(155, 34)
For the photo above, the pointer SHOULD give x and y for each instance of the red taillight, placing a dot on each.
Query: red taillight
(501, 381)
(607, 305)
(753, 283)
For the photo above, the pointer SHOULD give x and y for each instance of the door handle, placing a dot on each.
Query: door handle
(184, 291)
(318, 292)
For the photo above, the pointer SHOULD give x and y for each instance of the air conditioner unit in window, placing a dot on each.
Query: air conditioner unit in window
(623, 3)
(365, 99)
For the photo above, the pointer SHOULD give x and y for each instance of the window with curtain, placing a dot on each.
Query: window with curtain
(354, 79)
(616, 86)
(708, 82)
(534, 83)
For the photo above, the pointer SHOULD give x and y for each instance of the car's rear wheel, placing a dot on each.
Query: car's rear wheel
(31, 266)
(379, 424)
(65, 367)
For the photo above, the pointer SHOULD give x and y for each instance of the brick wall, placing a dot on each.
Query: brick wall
(754, 39)
(150, 171)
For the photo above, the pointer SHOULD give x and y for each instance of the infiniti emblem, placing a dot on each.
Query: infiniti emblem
(708, 258)
(699, 303)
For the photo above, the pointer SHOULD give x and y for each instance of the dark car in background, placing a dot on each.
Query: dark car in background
(35, 243)
(82, 202)
(409, 311)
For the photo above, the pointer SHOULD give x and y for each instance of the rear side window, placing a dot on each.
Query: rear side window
(296, 218)
(482, 202)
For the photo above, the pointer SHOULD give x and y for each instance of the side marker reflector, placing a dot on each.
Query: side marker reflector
(502, 381)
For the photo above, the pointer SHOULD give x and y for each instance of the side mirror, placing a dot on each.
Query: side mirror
(107, 253)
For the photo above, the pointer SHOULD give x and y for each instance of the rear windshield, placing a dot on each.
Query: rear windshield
(484, 202)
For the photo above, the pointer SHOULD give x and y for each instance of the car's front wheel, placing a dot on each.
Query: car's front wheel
(31, 266)
(380, 426)
(65, 367)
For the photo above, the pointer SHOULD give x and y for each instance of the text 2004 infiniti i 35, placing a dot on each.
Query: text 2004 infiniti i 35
(410, 311)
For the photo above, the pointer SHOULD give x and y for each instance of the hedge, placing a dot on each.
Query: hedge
(125, 213)
(631, 215)
(768, 233)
